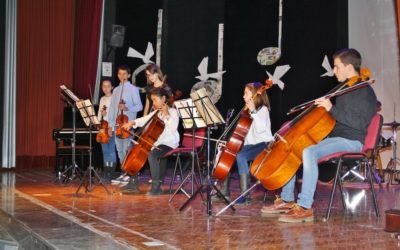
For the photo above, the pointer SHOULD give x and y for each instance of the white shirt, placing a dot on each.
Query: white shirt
(260, 129)
(104, 101)
(170, 135)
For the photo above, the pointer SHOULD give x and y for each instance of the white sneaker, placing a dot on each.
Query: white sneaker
(125, 179)
(118, 180)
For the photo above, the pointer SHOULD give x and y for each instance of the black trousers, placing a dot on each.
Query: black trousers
(157, 163)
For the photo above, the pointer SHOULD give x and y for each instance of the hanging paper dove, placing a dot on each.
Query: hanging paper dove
(327, 66)
(278, 73)
(147, 55)
(202, 68)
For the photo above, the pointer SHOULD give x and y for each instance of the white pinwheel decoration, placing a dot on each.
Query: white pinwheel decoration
(327, 66)
(202, 68)
(278, 73)
(147, 55)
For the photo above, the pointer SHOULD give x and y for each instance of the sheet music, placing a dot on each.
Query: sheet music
(185, 109)
(206, 108)
(69, 93)
(87, 112)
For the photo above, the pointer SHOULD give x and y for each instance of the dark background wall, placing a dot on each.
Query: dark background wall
(311, 29)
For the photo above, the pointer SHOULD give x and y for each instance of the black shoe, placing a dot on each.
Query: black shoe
(132, 186)
(155, 188)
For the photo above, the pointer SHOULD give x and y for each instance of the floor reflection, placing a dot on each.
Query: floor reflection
(101, 221)
(8, 192)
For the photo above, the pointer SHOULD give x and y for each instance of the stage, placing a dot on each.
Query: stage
(52, 214)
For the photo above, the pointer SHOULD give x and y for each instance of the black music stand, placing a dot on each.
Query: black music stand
(73, 170)
(212, 117)
(190, 119)
(89, 117)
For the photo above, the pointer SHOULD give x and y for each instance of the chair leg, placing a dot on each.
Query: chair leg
(373, 189)
(328, 212)
(173, 176)
(341, 190)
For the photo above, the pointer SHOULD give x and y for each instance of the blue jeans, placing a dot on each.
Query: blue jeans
(122, 147)
(311, 155)
(109, 150)
(246, 154)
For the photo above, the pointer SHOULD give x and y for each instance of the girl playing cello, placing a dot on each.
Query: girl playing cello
(257, 138)
(169, 138)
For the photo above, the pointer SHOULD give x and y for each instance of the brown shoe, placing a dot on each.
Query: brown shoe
(279, 207)
(297, 214)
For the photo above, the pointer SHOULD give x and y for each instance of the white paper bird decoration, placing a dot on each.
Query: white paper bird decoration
(278, 73)
(202, 68)
(147, 55)
(327, 66)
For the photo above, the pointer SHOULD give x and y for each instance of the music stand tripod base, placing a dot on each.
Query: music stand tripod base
(90, 119)
(69, 174)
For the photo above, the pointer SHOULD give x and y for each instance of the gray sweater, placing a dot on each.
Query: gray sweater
(353, 112)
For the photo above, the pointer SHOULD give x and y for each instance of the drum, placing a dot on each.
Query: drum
(392, 220)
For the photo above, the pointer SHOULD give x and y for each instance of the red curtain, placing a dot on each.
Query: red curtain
(45, 35)
(88, 22)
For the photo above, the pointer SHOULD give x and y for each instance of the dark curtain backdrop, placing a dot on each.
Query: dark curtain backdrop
(140, 20)
(311, 29)
(45, 34)
(88, 21)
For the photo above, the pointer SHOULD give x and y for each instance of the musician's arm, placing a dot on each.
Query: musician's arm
(140, 122)
(112, 111)
(136, 104)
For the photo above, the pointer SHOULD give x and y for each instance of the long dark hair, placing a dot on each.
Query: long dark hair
(259, 100)
(160, 92)
(153, 69)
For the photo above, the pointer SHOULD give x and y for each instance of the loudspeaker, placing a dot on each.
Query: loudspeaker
(117, 36)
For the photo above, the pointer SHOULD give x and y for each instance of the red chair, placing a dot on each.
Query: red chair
(365, 157)
(186, 149)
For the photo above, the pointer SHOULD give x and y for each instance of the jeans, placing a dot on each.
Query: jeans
(246, 154)
(109, 150)
(311, 155)
(157, 163)
(122, 147)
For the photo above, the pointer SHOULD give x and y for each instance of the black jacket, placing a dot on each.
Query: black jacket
(353, 112)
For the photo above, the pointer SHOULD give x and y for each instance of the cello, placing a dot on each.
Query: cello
(279, 162)
(236, 141)
(138, 154)
(103, 137)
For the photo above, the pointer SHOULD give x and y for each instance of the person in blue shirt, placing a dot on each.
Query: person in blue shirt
(126, 98)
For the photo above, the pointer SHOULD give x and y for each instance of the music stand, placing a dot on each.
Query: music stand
(89, 117)
(73, 169)
(191, 119)
(211, 117)
(391, 168)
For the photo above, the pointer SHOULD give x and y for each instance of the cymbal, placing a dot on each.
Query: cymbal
(393, 124)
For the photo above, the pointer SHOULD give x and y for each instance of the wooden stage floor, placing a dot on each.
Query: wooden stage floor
(63, 220)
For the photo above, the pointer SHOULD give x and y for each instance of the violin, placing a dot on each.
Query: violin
(103, 137)
(138, 154)
(236, 141)
(280, 160)
(121, 120)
